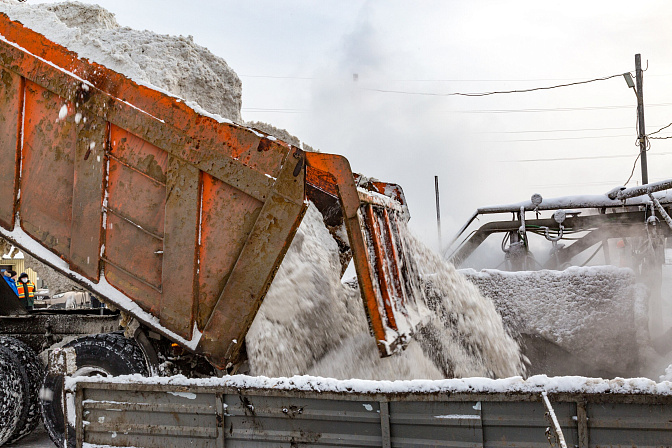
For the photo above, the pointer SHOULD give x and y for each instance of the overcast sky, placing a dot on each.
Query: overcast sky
(297, 59)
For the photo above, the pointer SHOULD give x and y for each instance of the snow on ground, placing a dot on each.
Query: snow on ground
(37, 439)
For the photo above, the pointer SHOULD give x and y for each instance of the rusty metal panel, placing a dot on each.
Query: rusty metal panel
(523, 423)
(176, 419)
(180, 243)
(11, 102)
(87, 216)
(138, 153)
(227, 217)
(265, 247)
(135, 251)
(266, 421)
(133, 261)
(619, 424)
(47, 169)
(436, 423)
(136, 197)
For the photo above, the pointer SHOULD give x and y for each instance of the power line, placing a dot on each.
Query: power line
(554, 130)
(568, 158)
(310, 78)
(554, 109)
(655, 132)
(562, 159)
(276, 77)
(497, 92)
(482, 111)
(559, 138)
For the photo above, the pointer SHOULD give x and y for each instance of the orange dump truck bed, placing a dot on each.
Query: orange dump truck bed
(135, 195)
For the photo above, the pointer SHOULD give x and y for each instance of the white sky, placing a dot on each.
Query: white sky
(296, 60)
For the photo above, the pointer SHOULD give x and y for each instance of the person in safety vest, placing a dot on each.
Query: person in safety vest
(26, 290)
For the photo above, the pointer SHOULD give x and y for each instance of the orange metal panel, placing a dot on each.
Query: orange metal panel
(180, 243)
(11, 101)
(396, 275)
(335, 170)
(134, 251)
(136, 152)
(47, 169)
(228, 216)
(87, 199)
(381, 264)
(224, 334)
(136, 197)
(147, 297)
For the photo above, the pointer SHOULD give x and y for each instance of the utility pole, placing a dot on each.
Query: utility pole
(640, 118)
(438, 211)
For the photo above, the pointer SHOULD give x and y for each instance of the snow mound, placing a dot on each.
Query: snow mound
(269, 129)
(596, 313)
(84, 17)
(173, 64)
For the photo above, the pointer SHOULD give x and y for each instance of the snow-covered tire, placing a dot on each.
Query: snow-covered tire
(103, 354)
(12, 380)
(32, 373)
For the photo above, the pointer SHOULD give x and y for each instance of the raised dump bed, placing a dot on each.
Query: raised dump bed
(242, 411)
(178, 218)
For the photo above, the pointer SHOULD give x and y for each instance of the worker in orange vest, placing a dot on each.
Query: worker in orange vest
(26, 290)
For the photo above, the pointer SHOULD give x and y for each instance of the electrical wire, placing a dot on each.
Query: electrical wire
(634, 165)
(664, 127)
(558, 159)
(497, 92)
(559, 138)
(552, 109)
(554, 130)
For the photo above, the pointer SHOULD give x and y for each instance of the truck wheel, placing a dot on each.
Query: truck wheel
(12, 381)
(32, 374)
(103, 354)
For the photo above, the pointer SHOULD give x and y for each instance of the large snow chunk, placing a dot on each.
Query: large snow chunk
(597, 314)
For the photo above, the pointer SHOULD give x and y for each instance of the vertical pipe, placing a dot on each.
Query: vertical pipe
(640, 118)
(438, 211)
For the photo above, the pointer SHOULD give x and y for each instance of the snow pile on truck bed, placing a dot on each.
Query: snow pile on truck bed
(311, 323)
(174, 64)
(597, 313)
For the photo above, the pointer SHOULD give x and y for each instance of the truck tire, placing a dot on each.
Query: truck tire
(12, 381)
(103, 354)
(32, 374)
